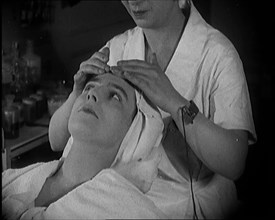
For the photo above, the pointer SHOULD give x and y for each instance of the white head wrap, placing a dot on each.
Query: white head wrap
(138, 156)
(144, 133)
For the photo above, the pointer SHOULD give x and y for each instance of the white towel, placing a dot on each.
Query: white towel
(138, 156)
(107, 195)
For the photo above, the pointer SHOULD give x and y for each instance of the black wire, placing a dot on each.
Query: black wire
(190, 172)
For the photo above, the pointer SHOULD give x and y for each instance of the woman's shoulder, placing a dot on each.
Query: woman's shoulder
(219, 43)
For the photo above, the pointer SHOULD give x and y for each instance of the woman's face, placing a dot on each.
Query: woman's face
(104, 111)
(151, 13)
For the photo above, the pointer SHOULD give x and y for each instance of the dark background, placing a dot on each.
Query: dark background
(76, 29)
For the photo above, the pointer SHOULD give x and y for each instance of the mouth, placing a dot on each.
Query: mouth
(139, 14)
(88, 110)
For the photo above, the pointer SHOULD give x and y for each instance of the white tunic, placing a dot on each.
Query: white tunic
(207, 69)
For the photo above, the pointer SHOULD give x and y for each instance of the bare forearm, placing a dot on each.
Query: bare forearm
(58, 128)
(221, 150)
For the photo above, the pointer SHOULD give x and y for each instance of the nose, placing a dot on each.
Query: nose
(92, 96)
(135, 2)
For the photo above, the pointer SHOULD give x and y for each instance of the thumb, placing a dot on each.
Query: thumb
(106, 51)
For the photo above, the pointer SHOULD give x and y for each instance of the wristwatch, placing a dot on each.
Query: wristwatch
(189, 112)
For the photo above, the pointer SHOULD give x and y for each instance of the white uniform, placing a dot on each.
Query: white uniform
(207, 69)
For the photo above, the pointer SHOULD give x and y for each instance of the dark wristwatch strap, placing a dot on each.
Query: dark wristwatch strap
(189, 112)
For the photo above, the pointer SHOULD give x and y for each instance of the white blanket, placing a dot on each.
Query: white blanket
(107, 195)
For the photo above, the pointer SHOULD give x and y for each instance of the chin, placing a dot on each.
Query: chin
(143, 24)
(80, 129)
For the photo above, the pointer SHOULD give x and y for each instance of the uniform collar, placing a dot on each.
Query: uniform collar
(190, 45)
(193, 39)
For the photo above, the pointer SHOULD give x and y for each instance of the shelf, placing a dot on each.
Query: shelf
(29, 137)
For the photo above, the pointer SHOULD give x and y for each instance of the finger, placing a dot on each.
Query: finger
(116, 70)
(98, 56)
(100, 64)
(105, 54)
(105, 51)
(102, 58)
(80, 77)
(91, 69)
(145, 71)
(140, 63)
(138, 80)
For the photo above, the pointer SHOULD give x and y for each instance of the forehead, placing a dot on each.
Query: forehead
(110, 78)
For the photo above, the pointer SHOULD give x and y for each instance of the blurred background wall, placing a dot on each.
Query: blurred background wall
(75, 29)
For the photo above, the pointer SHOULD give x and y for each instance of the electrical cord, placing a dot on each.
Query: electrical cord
(190, 172)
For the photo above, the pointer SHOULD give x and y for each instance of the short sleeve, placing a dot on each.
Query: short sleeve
(230, 101)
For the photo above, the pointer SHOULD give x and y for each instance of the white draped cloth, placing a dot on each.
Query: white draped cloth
(117, 192)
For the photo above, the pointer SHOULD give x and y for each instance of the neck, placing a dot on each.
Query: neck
(84, 161)
(167, 36)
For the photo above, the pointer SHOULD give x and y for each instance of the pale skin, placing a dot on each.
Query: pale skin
(222, 150)
(97, 137)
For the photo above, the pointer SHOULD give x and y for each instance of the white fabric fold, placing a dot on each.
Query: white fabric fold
(104, 197)
(139, 155)
(107, 195)
(144, 134)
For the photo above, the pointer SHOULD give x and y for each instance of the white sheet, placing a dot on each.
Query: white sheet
(107, 195)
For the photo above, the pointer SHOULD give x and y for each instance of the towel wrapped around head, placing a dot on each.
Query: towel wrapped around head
(138, 156)
(144, 133)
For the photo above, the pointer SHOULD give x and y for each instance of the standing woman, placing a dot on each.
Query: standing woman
(193, 73)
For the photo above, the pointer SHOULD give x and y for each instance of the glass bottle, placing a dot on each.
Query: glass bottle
(19, 71)
(10, 116)
(6, 74)
(33, 63)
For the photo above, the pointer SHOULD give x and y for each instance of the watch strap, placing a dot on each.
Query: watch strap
(189, 112)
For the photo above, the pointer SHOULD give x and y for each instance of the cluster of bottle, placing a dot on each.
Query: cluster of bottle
(20, 103)
(20, 74)
(16, 114)
(35, 12)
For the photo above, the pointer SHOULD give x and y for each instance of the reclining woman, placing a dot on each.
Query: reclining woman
(110, 123)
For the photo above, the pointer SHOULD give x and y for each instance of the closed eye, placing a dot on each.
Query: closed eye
(116, 96)
(88, 87)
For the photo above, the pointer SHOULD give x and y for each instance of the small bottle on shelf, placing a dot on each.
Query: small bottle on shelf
(19, 70)
(10, 116)
(6, 74)
(33, 63)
